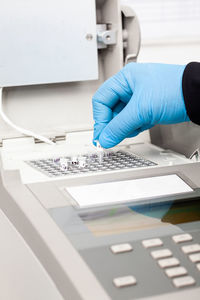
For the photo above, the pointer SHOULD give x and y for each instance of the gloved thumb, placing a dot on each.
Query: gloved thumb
(126, 123)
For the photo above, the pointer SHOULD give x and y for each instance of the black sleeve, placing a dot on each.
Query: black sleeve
(191, 91)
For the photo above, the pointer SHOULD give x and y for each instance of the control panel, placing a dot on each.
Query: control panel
(147, 267)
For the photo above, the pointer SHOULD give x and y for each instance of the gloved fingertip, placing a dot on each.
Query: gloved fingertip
(96, 133)
(94, 142)
(105, 141)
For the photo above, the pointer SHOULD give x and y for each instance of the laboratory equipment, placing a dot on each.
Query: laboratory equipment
(87, 232)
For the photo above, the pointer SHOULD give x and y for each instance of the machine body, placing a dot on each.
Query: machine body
(141, 243)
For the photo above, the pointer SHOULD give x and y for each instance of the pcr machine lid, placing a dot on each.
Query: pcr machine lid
(59, 62)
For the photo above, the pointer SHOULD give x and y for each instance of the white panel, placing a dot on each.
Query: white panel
(45, 41)
(128, 190)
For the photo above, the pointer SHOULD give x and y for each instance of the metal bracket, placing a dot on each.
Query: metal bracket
(105, 37)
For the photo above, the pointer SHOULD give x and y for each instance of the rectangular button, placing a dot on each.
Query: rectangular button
(161, 253)
(198, 266)
(152, 243)
(195, 257)
(168, 262)
(180, 238)
(183, 281)
(175, 272)
(124, 281)
(121, 248)
(191, 248)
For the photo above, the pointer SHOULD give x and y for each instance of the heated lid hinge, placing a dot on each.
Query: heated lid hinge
(23, 140)
(54, 139)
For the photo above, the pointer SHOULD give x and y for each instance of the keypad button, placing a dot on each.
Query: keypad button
(198, 266)
(161, 253)
(168, 262)
(195, 257)
(183, 281)
(121, 248)
(124, 281)
(152, 243)
(175, 272)
(191, 248)
(180, 238)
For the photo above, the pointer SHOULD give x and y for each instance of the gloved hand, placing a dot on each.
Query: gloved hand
(138, 97)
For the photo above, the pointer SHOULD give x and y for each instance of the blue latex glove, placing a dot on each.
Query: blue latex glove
(137, 98)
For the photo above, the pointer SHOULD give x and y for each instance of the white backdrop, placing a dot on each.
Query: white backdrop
(170, 30)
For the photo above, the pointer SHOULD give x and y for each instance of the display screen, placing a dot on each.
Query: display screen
(133, 190)
(136, 218)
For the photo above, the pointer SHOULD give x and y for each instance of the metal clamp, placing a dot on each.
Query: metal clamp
(105, 37)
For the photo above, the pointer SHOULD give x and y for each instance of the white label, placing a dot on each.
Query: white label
(128, 190)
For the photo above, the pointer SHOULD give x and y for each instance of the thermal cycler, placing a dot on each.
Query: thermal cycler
(119, 224)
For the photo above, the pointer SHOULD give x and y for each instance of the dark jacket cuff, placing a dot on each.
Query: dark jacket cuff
(191, 91)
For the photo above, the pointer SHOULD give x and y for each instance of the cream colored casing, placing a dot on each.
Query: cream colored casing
(40, 46)
(60, 108)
